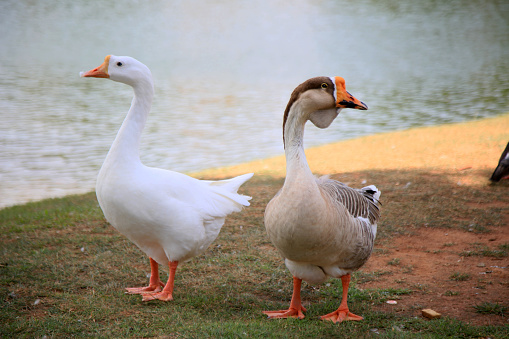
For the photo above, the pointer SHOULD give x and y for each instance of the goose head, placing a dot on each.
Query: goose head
(320, 100)
(122, 69)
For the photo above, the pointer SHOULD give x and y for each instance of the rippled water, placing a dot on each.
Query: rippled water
(223, 73)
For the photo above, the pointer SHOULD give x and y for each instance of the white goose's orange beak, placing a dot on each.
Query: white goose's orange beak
(99, 72)
(345, 99)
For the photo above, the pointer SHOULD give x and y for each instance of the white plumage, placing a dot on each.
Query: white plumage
(170, 216)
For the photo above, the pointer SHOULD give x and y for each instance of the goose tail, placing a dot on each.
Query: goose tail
(372, 192)
(224, 198)
(232, 185)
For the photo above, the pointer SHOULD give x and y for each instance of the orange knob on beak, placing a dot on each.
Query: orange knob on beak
(345, 99)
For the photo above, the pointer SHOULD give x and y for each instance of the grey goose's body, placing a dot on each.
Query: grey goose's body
(322, 227)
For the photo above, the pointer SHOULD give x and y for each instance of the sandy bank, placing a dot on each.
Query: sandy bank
(475, 144)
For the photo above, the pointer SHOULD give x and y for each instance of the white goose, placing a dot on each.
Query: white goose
(170, 216)
(321, 226)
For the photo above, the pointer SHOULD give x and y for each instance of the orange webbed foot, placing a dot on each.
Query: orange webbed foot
(163, 295)
(166, 294)
(289, 313)
(341, 314)
(142, 290)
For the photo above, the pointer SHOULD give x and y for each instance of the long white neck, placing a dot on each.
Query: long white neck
(297, 167)
(125, 148)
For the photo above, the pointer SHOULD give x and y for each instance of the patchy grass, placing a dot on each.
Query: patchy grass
(491, 308)
(451, 293)
(482, 250)
(394, 262)
(64, 270)
(457, 276)
(363, 277)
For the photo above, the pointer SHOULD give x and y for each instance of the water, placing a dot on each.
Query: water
(224, 71)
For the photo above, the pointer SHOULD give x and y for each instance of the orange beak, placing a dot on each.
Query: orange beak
(345, 99)
(99, 72)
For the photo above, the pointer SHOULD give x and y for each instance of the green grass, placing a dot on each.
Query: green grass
(491, 308)
(457, 276)
(63, 253)
(394, 262)
(484, 251)
(363, 277)
(451, 293)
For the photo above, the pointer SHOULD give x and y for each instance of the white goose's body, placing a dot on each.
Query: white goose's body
(168, 215)
(321, 227)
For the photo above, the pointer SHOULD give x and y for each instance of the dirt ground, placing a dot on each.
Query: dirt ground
(427, 260)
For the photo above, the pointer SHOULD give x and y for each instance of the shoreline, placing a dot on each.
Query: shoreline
(475, 144)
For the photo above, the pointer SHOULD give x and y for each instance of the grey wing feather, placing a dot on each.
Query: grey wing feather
(359, 202)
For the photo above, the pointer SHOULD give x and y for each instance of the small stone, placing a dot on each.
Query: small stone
(430, 314)
(397, 328)
(37, 302)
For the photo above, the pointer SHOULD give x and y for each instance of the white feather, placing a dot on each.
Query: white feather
(168, 215)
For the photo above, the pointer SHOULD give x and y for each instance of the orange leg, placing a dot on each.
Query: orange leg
(167, 293)
(154, 285)
(296, 309)
(342, 313)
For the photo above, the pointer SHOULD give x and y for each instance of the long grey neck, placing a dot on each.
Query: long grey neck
(125, 148)
(296, 164)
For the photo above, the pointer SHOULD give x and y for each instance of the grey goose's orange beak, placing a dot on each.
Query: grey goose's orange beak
(344, 99)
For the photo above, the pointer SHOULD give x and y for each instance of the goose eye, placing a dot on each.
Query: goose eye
(119, 64)
(324, 85)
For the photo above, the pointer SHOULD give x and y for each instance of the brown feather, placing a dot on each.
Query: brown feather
(313, 83)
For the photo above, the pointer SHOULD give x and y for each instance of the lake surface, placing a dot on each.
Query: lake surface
(224, 71)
